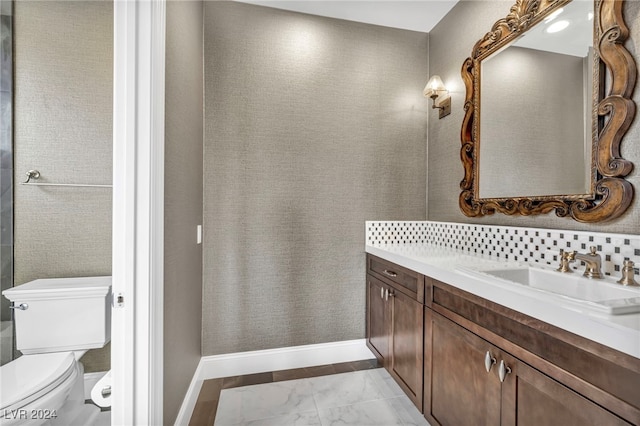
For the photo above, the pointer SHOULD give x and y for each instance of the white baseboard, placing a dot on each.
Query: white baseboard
(241, 363)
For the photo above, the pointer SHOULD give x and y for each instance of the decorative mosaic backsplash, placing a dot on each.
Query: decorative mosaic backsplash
(531, 245)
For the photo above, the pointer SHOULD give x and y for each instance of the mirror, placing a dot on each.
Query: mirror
(539, 133)
(556, 67)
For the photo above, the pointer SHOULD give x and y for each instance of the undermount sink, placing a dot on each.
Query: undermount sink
(602, 295)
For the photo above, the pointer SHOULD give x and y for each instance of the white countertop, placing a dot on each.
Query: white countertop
(620, 332)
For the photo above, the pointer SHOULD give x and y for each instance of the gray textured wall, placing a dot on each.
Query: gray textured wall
(63, 128)
(450, 42)
(183, 201)
(312, 126)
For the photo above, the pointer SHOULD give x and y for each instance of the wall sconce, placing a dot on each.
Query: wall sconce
(434, 89)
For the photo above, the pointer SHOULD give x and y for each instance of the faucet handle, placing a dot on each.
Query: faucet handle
(566, 257)
(628, 274)
(593, 250)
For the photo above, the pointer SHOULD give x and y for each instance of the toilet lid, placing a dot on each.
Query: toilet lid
(31, 376)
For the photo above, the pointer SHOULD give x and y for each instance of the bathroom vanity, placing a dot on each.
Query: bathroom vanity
(470, 352)
(472, 320)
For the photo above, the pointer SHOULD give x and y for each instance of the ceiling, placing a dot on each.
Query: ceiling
(416, 15)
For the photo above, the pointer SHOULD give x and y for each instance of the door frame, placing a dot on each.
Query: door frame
(138, 212)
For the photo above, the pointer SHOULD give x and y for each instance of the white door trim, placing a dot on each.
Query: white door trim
(138, 211)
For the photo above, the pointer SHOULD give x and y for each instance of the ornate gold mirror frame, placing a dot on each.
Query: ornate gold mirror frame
(611, 193)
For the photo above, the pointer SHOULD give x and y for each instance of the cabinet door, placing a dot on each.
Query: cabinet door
(532, 398)
(407, 344)
(462, 391)
(378, 318)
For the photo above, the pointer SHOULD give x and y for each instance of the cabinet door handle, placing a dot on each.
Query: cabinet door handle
(386, 295)
(381, 292)
(503, 370)
(390, 273)
(488, 361)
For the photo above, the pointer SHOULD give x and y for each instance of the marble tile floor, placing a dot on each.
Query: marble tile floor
(103, 419)
(204, 412)
(359, 398)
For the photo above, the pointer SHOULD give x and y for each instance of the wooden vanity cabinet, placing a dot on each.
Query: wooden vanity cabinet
(467, 388)
(532, 398)
(378, 318)
(446, 348)
(460, 390)
(395, 298)
(469, 340)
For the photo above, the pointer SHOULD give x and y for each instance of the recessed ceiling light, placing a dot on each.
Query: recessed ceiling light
(557, 26)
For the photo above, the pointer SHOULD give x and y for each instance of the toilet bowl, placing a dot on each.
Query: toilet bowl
(59, 320)
(36, 387)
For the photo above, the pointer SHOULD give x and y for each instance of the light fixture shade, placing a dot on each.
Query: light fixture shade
(435, 86)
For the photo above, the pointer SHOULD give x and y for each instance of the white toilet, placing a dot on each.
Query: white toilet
(56, 321)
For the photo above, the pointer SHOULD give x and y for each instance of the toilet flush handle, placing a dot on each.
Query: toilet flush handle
(22, 306)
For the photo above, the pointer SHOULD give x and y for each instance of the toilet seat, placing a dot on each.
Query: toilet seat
(30, 377)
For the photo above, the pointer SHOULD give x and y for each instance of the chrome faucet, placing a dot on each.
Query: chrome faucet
(593, 263)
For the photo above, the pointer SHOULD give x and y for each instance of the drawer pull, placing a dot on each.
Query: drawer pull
(390, 273)
(503, 371)
(488, 361)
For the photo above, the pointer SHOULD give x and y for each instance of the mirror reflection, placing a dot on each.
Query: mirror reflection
(536, 110)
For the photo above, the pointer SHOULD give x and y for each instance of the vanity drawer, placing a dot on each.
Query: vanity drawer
(408, 280)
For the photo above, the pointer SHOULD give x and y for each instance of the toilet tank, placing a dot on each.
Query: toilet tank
(62, 314)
